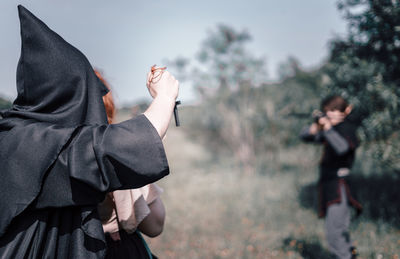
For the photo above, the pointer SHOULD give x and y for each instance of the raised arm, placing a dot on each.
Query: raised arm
(336, 141)
(311, 133)
(164, 91)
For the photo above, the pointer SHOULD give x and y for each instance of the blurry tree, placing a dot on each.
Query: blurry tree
(238, 109)
(299, 93)
(225, 77)
(365, 67)
(4, 104)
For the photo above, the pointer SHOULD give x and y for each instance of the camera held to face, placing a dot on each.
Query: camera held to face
(316, 115)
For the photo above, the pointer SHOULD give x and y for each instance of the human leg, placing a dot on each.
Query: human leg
(337, 224)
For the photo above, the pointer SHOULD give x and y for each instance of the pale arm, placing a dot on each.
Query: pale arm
(153, 224)
(164, 91)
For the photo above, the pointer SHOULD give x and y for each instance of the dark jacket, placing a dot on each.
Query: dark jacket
(340, 144)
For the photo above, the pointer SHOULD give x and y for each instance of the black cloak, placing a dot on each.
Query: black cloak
(58, 155)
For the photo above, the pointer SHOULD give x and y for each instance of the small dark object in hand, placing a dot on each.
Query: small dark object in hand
(317, 115)
(177, 122)
(156, 73)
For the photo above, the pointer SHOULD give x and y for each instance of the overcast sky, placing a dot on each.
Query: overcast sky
(125, 37)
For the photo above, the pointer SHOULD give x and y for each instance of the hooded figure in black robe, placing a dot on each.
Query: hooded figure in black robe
(58, 155)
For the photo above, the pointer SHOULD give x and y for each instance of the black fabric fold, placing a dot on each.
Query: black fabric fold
(24, 164)
(58, 155)
(137, 159)
(102, 159)
(52, 233)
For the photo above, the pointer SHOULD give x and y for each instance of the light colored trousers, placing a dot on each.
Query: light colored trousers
(337, 223)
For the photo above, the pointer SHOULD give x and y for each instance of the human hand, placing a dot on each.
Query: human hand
(314, 128)
(325, 123)
(161, 83)
(164, 88)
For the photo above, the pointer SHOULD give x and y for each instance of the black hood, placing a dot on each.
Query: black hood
(57, 150)
(55, 81)
(58, 94)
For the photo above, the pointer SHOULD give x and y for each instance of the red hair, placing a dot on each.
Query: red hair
(107, 99)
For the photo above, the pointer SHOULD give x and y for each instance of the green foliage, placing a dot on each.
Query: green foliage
(4, 104)
(365, 68)
(374, 27)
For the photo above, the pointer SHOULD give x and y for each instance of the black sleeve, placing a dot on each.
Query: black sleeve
(118, 156)
(336, 141)
(307, 137)
(351, 136)
(342, 138)
(56, 166)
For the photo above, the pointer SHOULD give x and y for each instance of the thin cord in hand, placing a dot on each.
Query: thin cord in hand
(154, 78)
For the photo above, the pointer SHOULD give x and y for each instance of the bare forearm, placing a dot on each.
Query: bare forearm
(164, 91)
(159, 113)
(153, 224)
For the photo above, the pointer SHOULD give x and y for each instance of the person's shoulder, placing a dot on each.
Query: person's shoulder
(350, 125)
(347, 125)
(346, 128)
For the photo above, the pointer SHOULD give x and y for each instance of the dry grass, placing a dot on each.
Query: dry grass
(215, 211)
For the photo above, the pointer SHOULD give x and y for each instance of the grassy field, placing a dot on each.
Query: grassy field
(215, 211)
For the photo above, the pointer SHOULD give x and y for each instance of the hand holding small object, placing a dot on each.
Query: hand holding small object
(161, 82)
(325, 122)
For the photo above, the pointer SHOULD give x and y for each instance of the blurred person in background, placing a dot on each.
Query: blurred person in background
(337, 134)
(126, 214)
